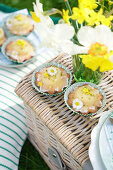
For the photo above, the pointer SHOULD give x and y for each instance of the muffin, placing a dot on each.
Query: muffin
(85, 99)
(19, 24)
(19, 50)
(52, 79)
(2, 37)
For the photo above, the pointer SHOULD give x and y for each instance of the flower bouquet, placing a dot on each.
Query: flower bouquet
(85, 33)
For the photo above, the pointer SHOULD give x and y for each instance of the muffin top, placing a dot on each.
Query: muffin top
(2, 36)
(51, 79)
(20, 50)
(85, 99)
(20, 24)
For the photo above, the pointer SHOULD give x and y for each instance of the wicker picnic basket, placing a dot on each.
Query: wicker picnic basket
(61, 136)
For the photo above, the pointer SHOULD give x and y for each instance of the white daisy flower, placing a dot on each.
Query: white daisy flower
(14, 54)
(77, 104)
(9, 22)
(52, 71)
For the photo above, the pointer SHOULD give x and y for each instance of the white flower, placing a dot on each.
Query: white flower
(52, 71)
(9, 22)
(87, 36)
(77, 104)
(46, 20)
(58, 37)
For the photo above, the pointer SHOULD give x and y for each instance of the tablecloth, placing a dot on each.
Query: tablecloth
(13, 128)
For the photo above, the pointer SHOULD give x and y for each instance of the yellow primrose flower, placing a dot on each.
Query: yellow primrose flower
(66, 16)
(90, 4)
(78, 14)
(46, 74)
(87, 91)
(110, 2)
(18, 17)
(34, 16)
(40, 83)
(95, 17)
(106, 20)
(21, 43)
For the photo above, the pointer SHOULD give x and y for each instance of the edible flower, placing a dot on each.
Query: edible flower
(77, 104)
(52, 71)
(40, 83)
(46, 74)
(87, 91)
(21, 43)
(18, 17)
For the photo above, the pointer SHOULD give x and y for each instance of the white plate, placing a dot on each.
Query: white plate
(106, 144)
(94, 153)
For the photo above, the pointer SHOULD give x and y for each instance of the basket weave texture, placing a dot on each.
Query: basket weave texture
(51, 123)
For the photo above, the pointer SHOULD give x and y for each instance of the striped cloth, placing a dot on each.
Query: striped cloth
(13, 129)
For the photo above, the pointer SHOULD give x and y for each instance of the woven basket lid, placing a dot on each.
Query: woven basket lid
(72, 130)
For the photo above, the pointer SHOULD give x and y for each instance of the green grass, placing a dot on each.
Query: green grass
(30, 159)
(47, 4)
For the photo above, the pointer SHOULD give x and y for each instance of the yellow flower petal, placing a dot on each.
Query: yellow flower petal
(66, 16)
(40, 83)
(46, 74)
(21, 43)
(91, 62)
(106, 65)
(97, 62)
(90, 4)
(34, 17)
(18, 17)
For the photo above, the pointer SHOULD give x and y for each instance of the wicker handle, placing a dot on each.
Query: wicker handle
(56, 158)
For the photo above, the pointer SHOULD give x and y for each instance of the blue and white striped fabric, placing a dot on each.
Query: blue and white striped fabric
(13, 128)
